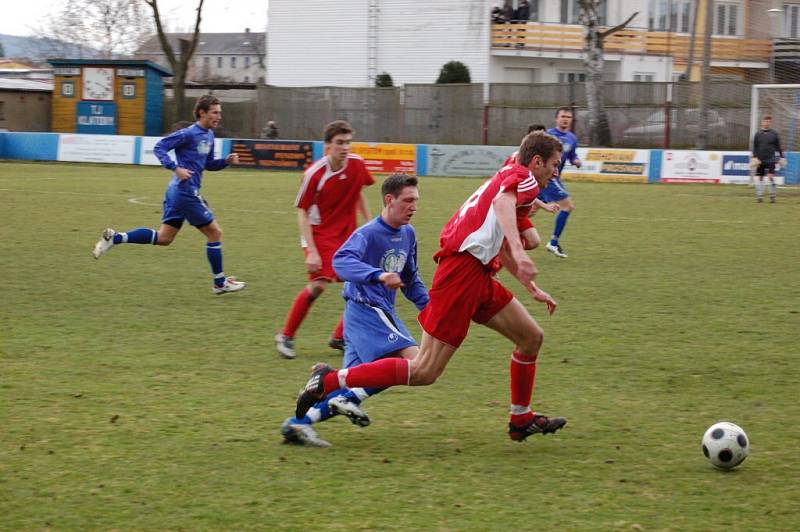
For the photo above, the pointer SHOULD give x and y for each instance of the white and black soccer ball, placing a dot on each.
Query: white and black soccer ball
(725, 445)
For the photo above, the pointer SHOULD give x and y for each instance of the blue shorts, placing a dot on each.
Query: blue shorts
(371, 333)
(187, 205)
(555, 191)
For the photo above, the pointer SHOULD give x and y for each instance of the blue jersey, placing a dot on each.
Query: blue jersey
(375, 248)
(569, 146)
(194, 150)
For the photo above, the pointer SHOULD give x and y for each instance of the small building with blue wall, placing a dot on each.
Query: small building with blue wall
(108, 96)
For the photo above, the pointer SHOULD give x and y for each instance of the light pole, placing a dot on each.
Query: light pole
(774, 30)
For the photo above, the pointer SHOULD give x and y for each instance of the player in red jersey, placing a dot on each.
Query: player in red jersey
(464, 289)
(329, 197)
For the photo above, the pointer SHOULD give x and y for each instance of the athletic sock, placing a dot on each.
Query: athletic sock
(302, 303)
(523, 375)
(382, 373)
(140, 235)
(773, 190)
(338, 332)
(561, 222)
(214, 254)
(759, 189)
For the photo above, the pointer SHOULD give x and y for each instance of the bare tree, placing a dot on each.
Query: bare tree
(178, 62)
(104, 28)
(599, 130)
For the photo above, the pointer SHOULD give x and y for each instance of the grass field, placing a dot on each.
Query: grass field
(133, 398)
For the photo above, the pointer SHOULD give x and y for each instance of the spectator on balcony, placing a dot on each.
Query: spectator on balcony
(523, 12)
(508, 12)
(497, 14)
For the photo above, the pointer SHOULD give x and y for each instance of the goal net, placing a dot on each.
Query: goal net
(782, 102)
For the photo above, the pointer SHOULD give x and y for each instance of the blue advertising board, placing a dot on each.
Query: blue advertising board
(97, 118)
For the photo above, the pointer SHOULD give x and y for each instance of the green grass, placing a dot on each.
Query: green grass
(132, 398)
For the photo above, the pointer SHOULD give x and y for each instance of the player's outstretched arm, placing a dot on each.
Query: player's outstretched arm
(362, 206)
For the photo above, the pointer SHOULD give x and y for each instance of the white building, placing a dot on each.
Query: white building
(349, 43)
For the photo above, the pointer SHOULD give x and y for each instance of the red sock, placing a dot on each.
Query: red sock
(338, 332)
(523, 375)
(379, 374)
(298, 312)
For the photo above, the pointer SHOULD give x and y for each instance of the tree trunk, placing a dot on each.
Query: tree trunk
(599, 128)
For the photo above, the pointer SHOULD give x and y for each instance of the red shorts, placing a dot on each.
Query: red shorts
(463, 289)
(326, 272)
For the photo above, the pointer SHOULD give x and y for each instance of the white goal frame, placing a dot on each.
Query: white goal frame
(755, 119)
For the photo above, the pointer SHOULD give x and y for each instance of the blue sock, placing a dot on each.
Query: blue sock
(321, 411)
(561, 222)
(141, 235)
(214, 253)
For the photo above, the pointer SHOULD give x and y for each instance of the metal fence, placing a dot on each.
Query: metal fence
(645, 115)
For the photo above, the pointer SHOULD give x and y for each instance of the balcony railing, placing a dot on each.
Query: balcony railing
(549, 37)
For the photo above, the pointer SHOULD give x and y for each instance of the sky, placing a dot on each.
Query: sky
(218, 16)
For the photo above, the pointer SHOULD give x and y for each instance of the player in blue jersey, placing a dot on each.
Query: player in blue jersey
(556, 191)
(377, 259)
(194, 152)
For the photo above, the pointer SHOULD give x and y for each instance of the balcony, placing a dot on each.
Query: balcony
(559, 40)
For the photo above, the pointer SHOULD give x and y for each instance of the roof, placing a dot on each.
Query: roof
(245, 43)
(112, 62)
(16, 84)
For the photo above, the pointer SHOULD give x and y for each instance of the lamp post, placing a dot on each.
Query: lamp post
(774, 30)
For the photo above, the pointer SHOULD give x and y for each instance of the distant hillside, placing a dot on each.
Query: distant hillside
(37, 48)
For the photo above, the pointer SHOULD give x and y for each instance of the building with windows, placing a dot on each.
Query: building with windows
(411, 40)
(219, 57)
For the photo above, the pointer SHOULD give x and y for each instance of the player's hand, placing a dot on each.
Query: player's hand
(183, 173)
(391, 280)
(313, 262)
(551, 207)
(526, 269)
(755, 162)
(782, 162)
(542, 297)
(232, 158)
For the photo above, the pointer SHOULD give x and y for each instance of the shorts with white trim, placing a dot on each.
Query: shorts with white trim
(371, 333)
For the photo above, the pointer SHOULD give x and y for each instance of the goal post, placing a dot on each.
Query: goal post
(782, 102)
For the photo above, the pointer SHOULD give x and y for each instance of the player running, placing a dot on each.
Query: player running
(465, 289)
(377, 259)
(555, 190)
(329, 196)
(194, 152)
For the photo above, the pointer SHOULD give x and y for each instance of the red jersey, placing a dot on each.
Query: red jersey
(330, 199)
(474, 228)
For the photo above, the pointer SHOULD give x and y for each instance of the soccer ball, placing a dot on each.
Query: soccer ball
(725, 445)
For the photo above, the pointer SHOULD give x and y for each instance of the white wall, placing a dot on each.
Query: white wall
(325, 42)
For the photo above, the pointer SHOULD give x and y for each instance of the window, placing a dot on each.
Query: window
(206, 61)
(670, 15)
(571, 11)
(644, 76)
(247, 62)
(2, 117)
(219, 62)
(129, 90)
(534, 10)
(247, 79)
(68, 89)
(233, 62)
(571, 77)
(791, 21)
(726, 18)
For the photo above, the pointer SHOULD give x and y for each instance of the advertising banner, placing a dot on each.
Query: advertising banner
(691, 166)
(96, 148)
(387, 158)
(146, 151)
(273, 154)
(96, 118)
(600, 164)
(736, 169)
(477, 161)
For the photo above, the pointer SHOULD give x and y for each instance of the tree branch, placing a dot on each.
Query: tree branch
(618, 27)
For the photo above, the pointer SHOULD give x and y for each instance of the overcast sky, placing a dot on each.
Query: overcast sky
(218, 15)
